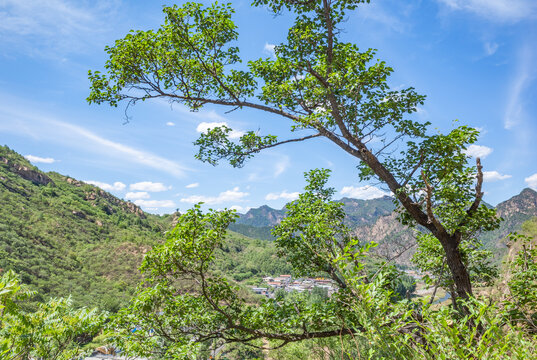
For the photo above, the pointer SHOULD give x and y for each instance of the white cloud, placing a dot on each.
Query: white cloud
(497, 10)
(366, 192)
(155, 203)
(490, 176)
(204, 126)
(478, 151)
(281, 166)
(532, 181)
(269, 49)
(240, 209)
(169, 123)
(490, 48)
(193, 185)
(117, 186)
(149, 186)
(37, 159)
(283, 195)
(137, 195)
(230, 195)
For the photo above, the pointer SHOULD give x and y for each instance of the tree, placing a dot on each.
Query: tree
(325, 88)
(187, 309)
(55, 330)
(185, 305)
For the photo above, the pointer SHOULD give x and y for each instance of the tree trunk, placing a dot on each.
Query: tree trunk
(459, 273)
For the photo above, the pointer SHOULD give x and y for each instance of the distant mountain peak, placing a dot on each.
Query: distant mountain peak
(528, 192)
(524, 203)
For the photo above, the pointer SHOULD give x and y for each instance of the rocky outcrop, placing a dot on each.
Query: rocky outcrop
(394, 240)
(96, 195)
(27, 173)
(524, 203)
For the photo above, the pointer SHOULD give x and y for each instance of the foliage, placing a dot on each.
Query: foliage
(67, 237)
(522, 279)
(54, 331)
(326, 88)
(431, 260)
(186, 302)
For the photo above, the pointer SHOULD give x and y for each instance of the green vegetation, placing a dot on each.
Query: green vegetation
(329, 88)
(55, 330)
(67, 238)
(321, 85)
(187, 307)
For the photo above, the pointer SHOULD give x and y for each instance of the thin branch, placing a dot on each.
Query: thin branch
(429, 205)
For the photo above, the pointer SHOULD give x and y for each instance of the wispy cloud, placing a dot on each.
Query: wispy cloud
(377, 13)
(169, 123)
(366, 192)
(227, 196)
(38, 126)
(496, 10)
(283, 195)
(282, 165)
(134, 155)
(149, 186)
(490, 176)
(54, 27)
(478, 151)
(193, 185)
(525, 75)
(37, 159)
(490, 48)
(117, 186)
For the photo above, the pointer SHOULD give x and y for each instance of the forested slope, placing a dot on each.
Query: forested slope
(65, 237)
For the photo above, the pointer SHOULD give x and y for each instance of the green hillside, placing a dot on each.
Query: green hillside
(65, 237)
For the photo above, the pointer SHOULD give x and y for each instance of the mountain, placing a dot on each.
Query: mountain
(375, 220)
(65, 237)
(366, 212)
(514, 212)
(262, 216)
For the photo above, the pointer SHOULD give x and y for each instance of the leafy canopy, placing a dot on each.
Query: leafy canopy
(325, 87)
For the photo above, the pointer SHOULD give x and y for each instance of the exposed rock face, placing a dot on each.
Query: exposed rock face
(394, 239)
(27, 173)
(374, 220)
(262, 216)
(524, 203)
(96, 194)
(74, 182)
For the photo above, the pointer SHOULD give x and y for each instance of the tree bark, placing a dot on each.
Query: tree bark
(459, 272)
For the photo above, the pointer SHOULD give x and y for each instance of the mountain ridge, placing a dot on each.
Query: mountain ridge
(375, 220)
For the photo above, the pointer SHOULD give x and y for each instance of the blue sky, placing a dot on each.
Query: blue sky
(474, 59)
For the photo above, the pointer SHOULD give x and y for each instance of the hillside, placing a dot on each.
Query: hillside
(65, 237)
